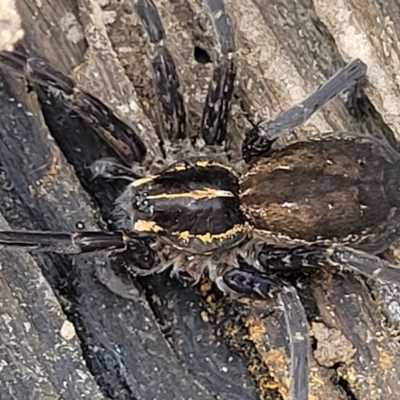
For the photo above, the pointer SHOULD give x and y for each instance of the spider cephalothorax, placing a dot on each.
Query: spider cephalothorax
(328, 199)
(194, 206)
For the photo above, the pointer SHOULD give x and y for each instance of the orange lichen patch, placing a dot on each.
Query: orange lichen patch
(278, 363)
(213, 309)
(233, 331)
(385, 359)
(276, 360)
(205, 316)
(210, 298)
(257, 330)
(54, 168)
(265, 382)
(205, 287)
(378, 376)
(254, 369)
(46, 175)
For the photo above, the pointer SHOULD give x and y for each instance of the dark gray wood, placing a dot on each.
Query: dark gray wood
(174, 342)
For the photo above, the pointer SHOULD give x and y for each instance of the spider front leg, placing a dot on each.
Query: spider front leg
(258, 141)
(117, 134)
(128, 245)
(220, 90)
(250, 282)
(168, 84)
(166, 79)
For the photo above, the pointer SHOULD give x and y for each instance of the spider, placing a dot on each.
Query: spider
(291, 204)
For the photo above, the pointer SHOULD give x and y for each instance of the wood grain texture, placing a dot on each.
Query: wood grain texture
(177, 342)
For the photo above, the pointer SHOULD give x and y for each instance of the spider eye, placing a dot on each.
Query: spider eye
(142, 204)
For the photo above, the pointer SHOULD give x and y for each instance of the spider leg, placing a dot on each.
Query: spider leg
(363, 263)
(116, 133)
(110, 168)
(129, 246)
(283, 260)
(220, 90)
(251, 282)
(167, 81)
(291, 260)
(135, 248)
(114, 282)
(258, 141)
(299, 339)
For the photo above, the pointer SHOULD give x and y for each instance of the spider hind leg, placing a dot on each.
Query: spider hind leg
(259, 140)
(250, 282)
(360, 262)
(292, 260)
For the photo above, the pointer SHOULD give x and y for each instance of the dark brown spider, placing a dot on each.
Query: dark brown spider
(330, 199)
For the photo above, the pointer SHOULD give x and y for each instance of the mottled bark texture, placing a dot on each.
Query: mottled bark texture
(62, 334)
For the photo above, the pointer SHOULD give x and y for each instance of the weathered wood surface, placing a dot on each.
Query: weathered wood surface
(11, 31)
(176, 342)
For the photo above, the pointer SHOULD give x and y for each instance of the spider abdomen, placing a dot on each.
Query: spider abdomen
(330, 189)
(195, 207)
